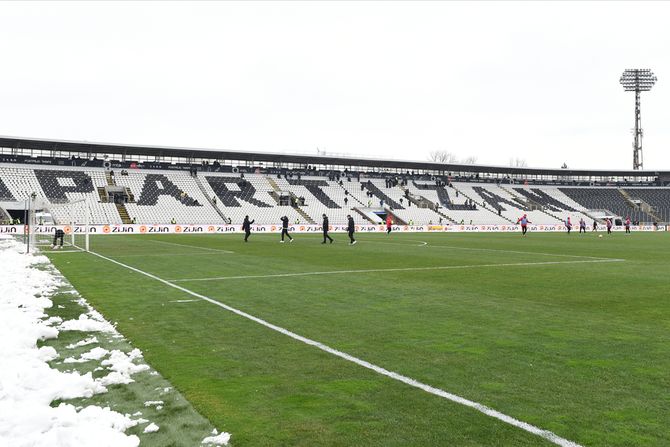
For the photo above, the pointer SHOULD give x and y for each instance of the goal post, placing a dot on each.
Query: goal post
(74, 219)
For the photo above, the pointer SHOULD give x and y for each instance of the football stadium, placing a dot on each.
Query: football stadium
(176, 295)
(447, 326)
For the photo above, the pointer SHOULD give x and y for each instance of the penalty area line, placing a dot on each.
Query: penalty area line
(500, 250)
(399, 269)
(197, 247)
(546, 434)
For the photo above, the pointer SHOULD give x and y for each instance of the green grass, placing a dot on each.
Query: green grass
(581, 349)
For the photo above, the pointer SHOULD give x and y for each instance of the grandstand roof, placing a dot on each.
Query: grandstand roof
(128, 151)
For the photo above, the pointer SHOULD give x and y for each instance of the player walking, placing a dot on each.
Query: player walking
(351, 228)
(246, 226)
(608, 223)
(523, 220)
(628, 224)
(568, 224)
(325, 227)
(582, 226)
(595, 225)
(389, 223)
(284, 229)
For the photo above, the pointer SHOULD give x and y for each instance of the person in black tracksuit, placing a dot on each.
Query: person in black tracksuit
(246, 226)
(58, 237)
(350, 229)
(325, 226)
(284, 229)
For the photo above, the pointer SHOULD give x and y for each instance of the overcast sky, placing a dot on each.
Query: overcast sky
(494, 80)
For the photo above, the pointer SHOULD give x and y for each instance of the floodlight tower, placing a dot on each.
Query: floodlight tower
(637, 80)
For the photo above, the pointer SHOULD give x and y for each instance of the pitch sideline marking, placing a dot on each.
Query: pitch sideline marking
(546, 434)
(399, 269)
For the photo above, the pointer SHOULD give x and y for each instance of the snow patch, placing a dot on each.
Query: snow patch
(28, 385)
(93, 354)
(150, 403)
(87, 341)
(221, 439)
(151, 428)
(87, 323)
(122, 367)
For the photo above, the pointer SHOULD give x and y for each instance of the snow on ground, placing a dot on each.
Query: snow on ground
(151, 428)
(28, 385)
(94, 354)
(221, 439)
(88, 341)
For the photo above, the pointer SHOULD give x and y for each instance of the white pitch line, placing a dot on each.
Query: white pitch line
(165, 254)
(183, 301)
(546, 434)
(421, 244)
(46, 252)
(191, 246)
(399, 269)
(520, 252)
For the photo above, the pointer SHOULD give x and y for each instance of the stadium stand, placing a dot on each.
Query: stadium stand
(191, 190)
(162, 196)
(59, 187)
(252, 195)
(5, 194)
(611, 201)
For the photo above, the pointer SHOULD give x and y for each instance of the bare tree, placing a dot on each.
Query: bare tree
(471, 160)
(518, 162)
(442, 157)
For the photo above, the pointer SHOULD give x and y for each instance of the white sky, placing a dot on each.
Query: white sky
(495, 80)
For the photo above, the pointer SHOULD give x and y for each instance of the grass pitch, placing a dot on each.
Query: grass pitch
(547, 329)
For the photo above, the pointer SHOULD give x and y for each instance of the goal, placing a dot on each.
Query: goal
(72, 218)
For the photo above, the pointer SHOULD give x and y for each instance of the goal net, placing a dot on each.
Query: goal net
(72, 218)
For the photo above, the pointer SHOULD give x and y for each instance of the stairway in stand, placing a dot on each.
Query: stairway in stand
(123, 213)
(294, 200)
(304, 215)
(110, 178)
(273, 184)
(365, 216)
(480, 204)
(210, 200)
(102, 194)
(537, 206)
(445, 216)
(644, 206)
